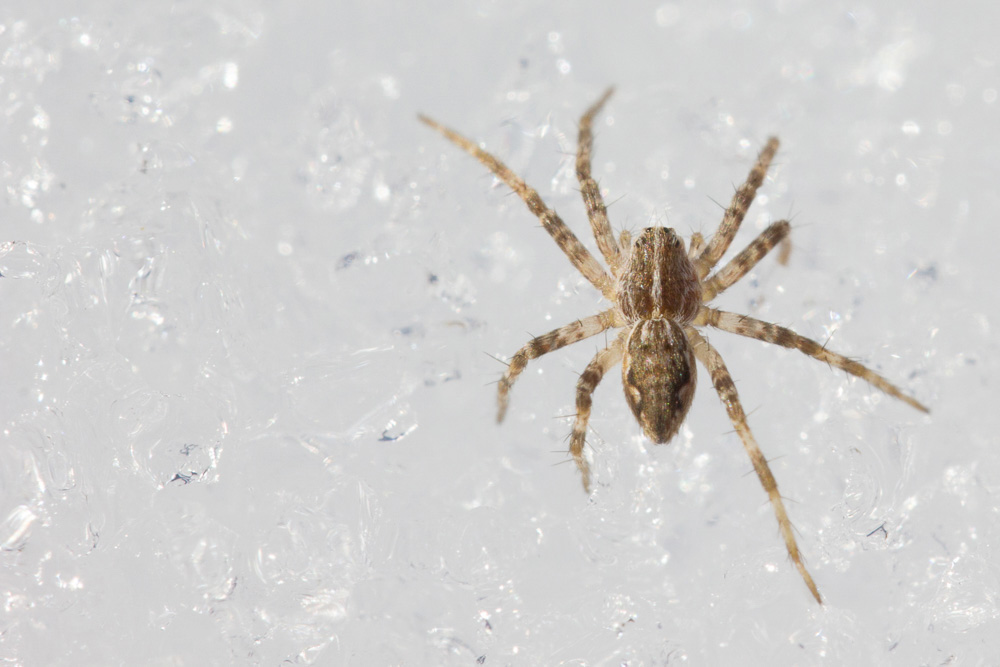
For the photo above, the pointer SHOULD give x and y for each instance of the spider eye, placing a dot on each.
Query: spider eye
(658, 373)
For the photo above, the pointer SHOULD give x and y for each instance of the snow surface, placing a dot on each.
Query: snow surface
(249, 304)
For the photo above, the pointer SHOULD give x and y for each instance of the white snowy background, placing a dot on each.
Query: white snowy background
(249, 304)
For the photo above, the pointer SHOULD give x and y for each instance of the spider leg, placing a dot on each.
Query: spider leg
(553, 340)
(597, 212)
(723, 383)
(744, 325)
(581, 258)
(585, 386)
(734, 215)
(738, 266)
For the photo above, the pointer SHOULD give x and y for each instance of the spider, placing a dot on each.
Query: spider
(659, 293)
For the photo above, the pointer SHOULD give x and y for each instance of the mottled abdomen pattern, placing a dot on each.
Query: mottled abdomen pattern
(658, 374)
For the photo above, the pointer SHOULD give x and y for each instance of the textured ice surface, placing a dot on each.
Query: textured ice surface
(247, 304)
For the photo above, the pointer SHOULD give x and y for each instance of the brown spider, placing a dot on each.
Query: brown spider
(659, 292)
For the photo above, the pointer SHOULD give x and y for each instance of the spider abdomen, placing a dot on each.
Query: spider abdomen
(658, 374)
(658, 280)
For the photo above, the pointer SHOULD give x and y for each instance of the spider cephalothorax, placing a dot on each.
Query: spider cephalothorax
(660, 294)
